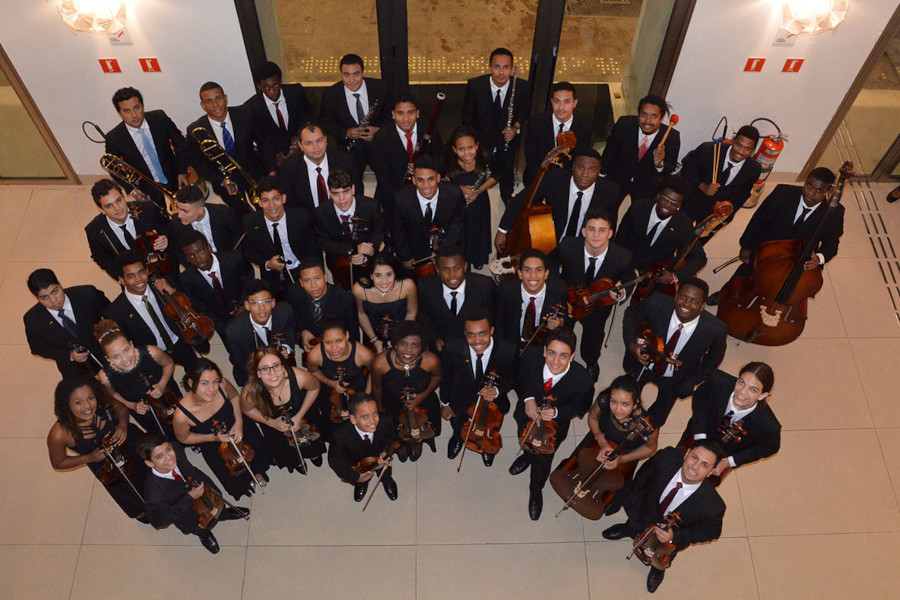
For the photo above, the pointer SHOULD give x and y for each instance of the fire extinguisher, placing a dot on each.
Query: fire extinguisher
(766, 156)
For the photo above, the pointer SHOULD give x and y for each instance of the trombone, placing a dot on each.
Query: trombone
(120, 169)
(226, 165)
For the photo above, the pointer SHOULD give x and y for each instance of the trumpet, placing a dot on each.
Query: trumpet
(120, 169)
(226, 165)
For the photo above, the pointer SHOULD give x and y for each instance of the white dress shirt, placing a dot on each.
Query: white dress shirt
(599, 258)
(260, 330)
(683, 494)
(217, 129)
(567, 125)
(351, 100)
(424, 202)
(503, 91)
(414, 138)
(70, 312)
(460, 295)
(290, 258)
(282, 106)
(799, 212)
(586, 196)
(687, 331)
(654, 219)
(142, 148)
(313, 177)
(138, 303)
(204, 226)
(213, 269)
(117, 229)
(538, 304)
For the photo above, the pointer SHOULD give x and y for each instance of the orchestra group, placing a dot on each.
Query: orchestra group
(356, 324)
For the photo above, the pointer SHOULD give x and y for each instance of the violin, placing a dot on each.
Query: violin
(290, 361)
(582, 301)
(195, 328)
(539, 437)
(370, 463)
(157, 261)
(208, 506)
(481, 433)
(237, 457)
(345, 272)
(435, 237)
(584, 482)
(382, 332)
(293, 149)
(768, 307)
(655, 349)
(556, 311)
(307, 436)
(339, 411)
(164, 406)
(116, 465)
(304, 358)
(413, 427)
(650, 550)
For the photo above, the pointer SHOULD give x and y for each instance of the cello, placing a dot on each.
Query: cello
(481, 433)
(768, 307)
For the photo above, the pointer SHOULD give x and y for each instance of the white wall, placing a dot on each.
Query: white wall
(709, 80)
(61, 71)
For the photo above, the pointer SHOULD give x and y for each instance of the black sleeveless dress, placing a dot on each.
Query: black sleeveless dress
(128, 384)
(283, 454)
(88, 439)
(377, 311)
(240, 484)
(475, 239)
(355, 379)
(393, 382)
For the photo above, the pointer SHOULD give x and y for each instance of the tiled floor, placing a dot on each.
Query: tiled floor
(813, 522)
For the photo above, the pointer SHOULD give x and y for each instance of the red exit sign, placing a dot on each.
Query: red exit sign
(149, 65)
(792, 65)
(110, 65)
(754, 65)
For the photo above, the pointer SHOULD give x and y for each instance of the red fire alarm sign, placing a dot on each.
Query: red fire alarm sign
(110, 65)
(754, 64)
(149, 65)
(792, 65)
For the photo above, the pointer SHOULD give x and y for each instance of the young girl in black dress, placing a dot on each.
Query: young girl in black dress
(386, 296)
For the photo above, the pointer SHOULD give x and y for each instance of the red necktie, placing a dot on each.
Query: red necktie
(643, 149)
(659, 369)
(409, 145)
(217, 285)
(530, 315)
(345, 222)
(367, 440)
(664, 505)
(280, 117)
(321, 190)
(548, 385)
(177, 476)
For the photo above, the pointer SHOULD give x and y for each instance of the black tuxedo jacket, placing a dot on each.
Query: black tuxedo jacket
(245, 148)
(701, 355)
(434, 314)
(47, 338)
(330, 231)
(508, 314)
(234, 273)
(620, 157)
(241, 339)
(225, 225)
(168, 501)
(272, 138)
(540, 138)
(293, 178)
(710, 401)
(459, 387)
(697, 168)
(151, 219)
(632, 235)
(258, 246)
(335, 115)
(139, 331)
(167, 139)
(346, 448)
(389, 159)
(616, 265)
(574, 392)
(480, 112)
(554, 191)
(337, 304)
(701, 513)
(410, 231)
(774, 220)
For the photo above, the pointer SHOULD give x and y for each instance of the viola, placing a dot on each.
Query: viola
(208, 506)
(413, 427)
(339, 411)
(655, 349)
(582, 301)
(345, 273)
(768, 307)
(435, 237)
(195, 327)
(156, 261)
(650, 550)
(481, 433)
(539, 436)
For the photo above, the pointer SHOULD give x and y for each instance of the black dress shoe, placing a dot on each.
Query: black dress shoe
(713, 300)
(230, 514)
(390, 488)
(316, 460)
(454, 447)
(616, 532)
(359, 491)
(520, 464)
(403, 457)
(431, 445)
(594, 371)
(654, 578)
(209, 542)
(894, 194)
(535, 505)
(487, 459)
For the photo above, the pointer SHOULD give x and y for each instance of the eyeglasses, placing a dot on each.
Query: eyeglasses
(270, 369)
(261, 302)
(669, 201)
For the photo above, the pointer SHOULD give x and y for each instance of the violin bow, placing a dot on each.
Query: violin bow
(290, 423)
(151, 410)
(377, 482)
(468, 433)
(241, 458)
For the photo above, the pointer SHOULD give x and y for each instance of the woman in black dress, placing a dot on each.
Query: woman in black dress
(279, 397)
(85, 416)
(386, 296)
(211, 397)
(467, 166)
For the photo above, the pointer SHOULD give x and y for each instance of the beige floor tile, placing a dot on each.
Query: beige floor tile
(611, 576)
(863, 298)
(159, 572)
(29, 383)
(31, 572)
(801, 490)
(504, 571)
(72, 206)
(845, 566)
(889, 439)
(855, 242)
(331, 572)
(14, 202)
(875, 358)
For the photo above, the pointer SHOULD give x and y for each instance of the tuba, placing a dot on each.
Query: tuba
(227, 166)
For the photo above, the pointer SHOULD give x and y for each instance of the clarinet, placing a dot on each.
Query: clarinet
(366, 120)
(512, 99)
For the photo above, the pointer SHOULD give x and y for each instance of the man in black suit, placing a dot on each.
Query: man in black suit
(633, 156)
(140, 314)
(170, 498)
(233, 129)
(667, 483)
(655, 230)
(218, 223)
(735, 173)
(279, 111)
(692, 336)
(540, 136)
(586, 260)
(445, 295)
(148, 141)
(540, 376)
(353, 100)
(114, 230)
(467, 362)
(61, 325)
(304, 176)
(367, 433)
(428, 203)
(723, 400)
(523, 304)
(394, 147)
(265, 323)
(570, 194)
(348, 225)
(486, 108)
(277, 237)
(315, 302)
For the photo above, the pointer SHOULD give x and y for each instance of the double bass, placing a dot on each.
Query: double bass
(768, 307)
